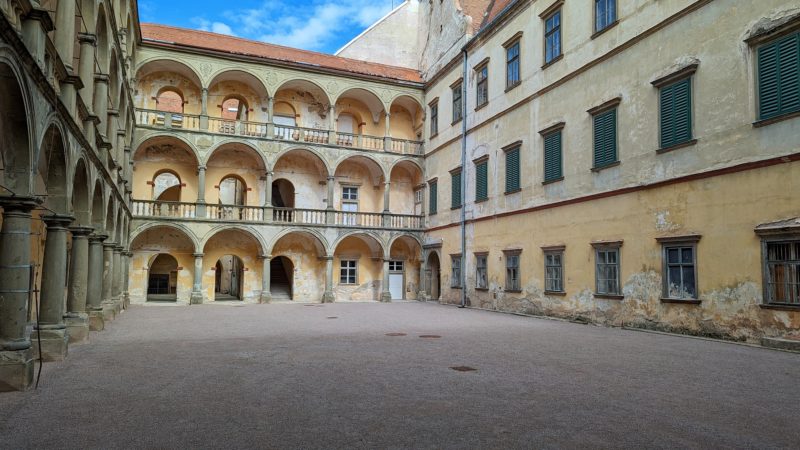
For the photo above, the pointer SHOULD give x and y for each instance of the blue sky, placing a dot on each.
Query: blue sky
(319, 25)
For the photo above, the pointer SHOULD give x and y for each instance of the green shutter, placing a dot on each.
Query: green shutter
(552, 157)
(433, 202)
(512, 170)
(455, 199)
(779, 77)
(481, 181)
(605, 138)
(676, 113)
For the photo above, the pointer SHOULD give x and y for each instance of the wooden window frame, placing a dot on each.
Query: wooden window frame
(517, 146)
(598, 31)
(457, 88)
(611, 106)
(508, 254)
(434, 126)
(485, 257)
(679, 242)
(433, 196)
(479, 162)
(554, 251)
(455, 281)
(342, 272)
(606, 246)
(547, 14)
(515, 41)
(791, 238)
(453, 173)
(482, 79)
(546, 133)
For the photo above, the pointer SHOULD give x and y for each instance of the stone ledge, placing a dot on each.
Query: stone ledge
(781, 344)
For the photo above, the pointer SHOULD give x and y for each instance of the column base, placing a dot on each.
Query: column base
(119, 305)
(386, 296)
(328, 297)
(77, 328)
(265, 297)
(126, 300)
(109, 310)
(196, 298)
(96, 321)
(54, 344)
(16, 370)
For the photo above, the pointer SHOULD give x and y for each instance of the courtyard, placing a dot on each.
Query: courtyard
(376, 375)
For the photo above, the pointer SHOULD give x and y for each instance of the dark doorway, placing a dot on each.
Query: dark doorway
(281, 271)
(228, 278)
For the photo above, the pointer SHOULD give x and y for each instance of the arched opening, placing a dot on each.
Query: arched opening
(80, 195)
(162, 278)
(168, 86)
(239, 170)
(167, 187)
(359, 189)
(282, 193)
(233, 108)
(358, 268)
(101, 30)
(407, 119)
(228, 278)
(301, 103)
(97, 208)
(232, 196)
(15, 144)
(304, 251)
(52, 171)
(404, 265)
(308, 173)
(169, 99)
(281, 271)
(406, 188)
(234, 97)
(433, 284)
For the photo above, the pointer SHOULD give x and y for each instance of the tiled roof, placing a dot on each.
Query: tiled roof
(182, 37)
(475, 9)
(494, 9)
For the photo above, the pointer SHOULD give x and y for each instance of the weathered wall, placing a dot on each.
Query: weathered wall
(369, 282)
(308, 281)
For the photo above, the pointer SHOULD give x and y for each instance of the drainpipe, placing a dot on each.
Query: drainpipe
(464, 182)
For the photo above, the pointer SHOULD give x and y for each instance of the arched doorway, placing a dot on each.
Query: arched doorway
(229, 273)
(281, 283)
(433, 277)
(283, 193)
(167, 187)
(232, 192)
(162, 278)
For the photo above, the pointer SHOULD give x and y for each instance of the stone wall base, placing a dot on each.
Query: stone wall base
(77, 328)
(55, 344)
(109, 311)
(16, 370)
(96, 320)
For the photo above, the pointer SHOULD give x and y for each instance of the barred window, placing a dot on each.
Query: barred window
(782, 271)
(481, 279)
(554, 271)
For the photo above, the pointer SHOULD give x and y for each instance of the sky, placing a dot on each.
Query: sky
(318, 25)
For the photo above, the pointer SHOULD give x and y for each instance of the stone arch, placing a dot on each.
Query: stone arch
(252, 233)
(81, 200)
(255, 95)
(367, 97)
(402, 128)
(160, 64)
(377, 170)
(313, 152)
(239, 145)
(110, 225)
(165, 152)
(305, 249)
(52, 169)
(156, 74)
(103, 40)
(319, 241)
(16, 128)
(373, 240)
(308, 172)
(159, 138)
(404, 252)
(406, 178)
(412, 237)
(98, 207)
(306, 85)
(432, 284)
(177, 227)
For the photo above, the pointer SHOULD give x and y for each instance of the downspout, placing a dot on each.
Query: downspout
(464, 182)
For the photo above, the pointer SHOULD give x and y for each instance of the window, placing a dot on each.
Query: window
(779, 77)
(483, 85)
(512, 270)
(434, 118)
(349, 272)
(350, 205)
(455, 198)
(605, 138)
(676, 113)
(457, 109)
(512, 65)
(553, 169)
(350, 193)
(607, 270)
(605, 14)
(512, 170)
(782, 272)
(481, 179)
(455, 273)
(552, 37)
(554, 271)
(680, 271)
(481, 280)
(433, 201)
(395, 266)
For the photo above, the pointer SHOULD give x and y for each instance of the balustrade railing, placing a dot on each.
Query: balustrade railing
(300, 134)
(163, 119)
(406, 147)
(261, 214)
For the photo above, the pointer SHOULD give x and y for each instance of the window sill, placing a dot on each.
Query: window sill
(554, 180)
(514, 291)
(513, 192)
(453, 208)
(676, 146)
(481, 200)
(455, 287)
(608, 27)
(609, 296)
(433, 135)
(431, 214)
(553, 61)
(598, 169)
(558, 293)
(512, 86)
(481, 106)
(776, 119)
(482, 289)
(681, 301)
(779, 307)
(455, 122)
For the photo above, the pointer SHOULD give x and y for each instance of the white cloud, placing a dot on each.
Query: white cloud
(214, 27)
(221, 28)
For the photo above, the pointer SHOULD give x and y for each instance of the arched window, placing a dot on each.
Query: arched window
(234, 108)
(167, 187)
(170, 100)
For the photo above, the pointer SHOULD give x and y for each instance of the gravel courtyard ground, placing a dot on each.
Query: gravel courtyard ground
(331, 376)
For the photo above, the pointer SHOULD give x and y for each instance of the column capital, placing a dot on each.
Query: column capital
(331, 178)
(327, 258)
(101, 78)
(99, 237)
(109, 245)
(198, 255)
(80, 231)
(266, 257)
(201, 168)
(128, 254)
(57, 221)
(24, 204)
(87, 38)
(118, 249)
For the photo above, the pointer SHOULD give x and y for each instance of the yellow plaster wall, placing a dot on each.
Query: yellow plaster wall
(302, 171)
(223, 89)
(353, 173)
(232, 242)
(309, 269)
(370, 269)
(148, 87)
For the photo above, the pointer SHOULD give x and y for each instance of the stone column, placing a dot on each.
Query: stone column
(328, 296)
(201, 192)
(108, 275)
(332, 124)
(329, 215)
(271, 117)
(204, 109)
(16, 357)
(126, 273)
(68, 95)
(421, 291)
(387, 135)
(52, 331)
(64, 38)
(101, 101)
(86, 68)
(197, 286)
(386, 296)
(76, 319)
(266, 294)
(35, 26)
(268, 193)
(386, 192)
(116, 279)
(94, 292)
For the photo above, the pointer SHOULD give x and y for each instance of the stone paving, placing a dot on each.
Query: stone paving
(361, 376)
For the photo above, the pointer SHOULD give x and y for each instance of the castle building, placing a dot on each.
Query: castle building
(622, 162)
